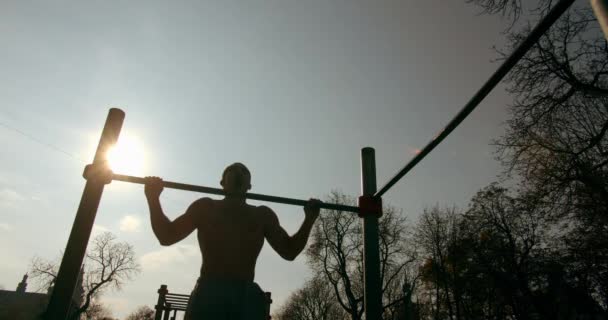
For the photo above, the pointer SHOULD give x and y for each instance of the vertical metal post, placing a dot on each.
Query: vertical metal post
(371, 252)
(160, 304)
(600, 7)
(83, 224)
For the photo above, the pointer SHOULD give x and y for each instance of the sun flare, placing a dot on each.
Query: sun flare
(127, 156)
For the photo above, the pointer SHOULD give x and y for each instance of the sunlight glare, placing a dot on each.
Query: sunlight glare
(127, 156)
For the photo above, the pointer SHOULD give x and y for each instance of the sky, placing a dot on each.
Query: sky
(293, 89)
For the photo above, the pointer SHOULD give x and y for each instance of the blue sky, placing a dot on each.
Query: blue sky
(293, 89)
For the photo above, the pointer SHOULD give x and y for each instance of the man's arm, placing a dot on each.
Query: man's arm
(166, 231)
(289, 247)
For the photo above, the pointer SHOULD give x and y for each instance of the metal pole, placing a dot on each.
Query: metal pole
(494, 80)
(371, 252)
(83, 224)
(600, 7)
(253, 196)
(160, 304)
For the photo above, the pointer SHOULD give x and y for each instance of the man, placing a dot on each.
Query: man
(230, 235)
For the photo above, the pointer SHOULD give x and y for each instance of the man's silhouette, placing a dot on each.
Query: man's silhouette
(230, 235)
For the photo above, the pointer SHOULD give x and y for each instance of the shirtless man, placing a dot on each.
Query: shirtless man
(230, 235)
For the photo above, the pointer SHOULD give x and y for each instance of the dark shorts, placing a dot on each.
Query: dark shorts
(227, 300)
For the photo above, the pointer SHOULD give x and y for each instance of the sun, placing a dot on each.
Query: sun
(127, 155)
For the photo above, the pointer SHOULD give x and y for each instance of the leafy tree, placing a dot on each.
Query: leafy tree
(496, 261)
(336, 254)
(97, 311)
(141, 313)
(108, 265)
(314, 301)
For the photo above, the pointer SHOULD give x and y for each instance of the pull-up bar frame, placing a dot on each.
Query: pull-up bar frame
(494, 80)
(252, 196)
(97, 175)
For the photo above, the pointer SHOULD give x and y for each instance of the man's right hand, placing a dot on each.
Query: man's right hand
(154, 187)
(312, 208)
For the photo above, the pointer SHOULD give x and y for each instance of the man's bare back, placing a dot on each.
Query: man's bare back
(231, 232)
(230, 236)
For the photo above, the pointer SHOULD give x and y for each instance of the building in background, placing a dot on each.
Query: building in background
(23, 305)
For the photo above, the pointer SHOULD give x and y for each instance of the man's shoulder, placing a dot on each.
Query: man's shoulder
(263, 209)
(203, 203)
(265, 213)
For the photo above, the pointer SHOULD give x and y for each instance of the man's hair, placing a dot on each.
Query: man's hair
(237, 165)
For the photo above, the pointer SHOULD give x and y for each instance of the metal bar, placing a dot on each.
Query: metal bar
(178, 308)
(600, 7)
(76, 247)
(177, 305)
(498, 75)
(253, 196)
(371, 252)
(178, 295)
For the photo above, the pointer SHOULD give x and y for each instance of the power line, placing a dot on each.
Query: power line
(41, 142)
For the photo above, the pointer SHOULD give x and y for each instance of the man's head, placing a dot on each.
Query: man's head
(236, 179)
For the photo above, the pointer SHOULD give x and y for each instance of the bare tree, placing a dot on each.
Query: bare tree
(436, 233)
(513, 230)
(557, 143)
(108, 265)
(314, 301)
(43, 273)
(556, 140)
(511, 9)
(141, 313)
(336, 252)
(485, 263)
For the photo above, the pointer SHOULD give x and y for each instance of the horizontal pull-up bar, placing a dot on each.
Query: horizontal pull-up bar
(494, 80)
(253, 196)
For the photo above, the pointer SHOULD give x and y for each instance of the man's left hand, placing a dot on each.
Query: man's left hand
(154, 187)
(312, 208)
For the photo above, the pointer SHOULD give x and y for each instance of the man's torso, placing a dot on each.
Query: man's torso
(230, 237)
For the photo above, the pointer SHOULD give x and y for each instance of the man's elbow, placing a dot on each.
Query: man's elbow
(290, 257)
(165, 241)
(163, 236)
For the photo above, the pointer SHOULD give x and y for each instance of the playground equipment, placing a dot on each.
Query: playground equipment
(370, 203)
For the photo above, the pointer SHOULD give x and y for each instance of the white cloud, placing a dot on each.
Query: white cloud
(99, 229)
(10, 197)
(117, 305)
(130, 224)
(170, 256)
(5, 227)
